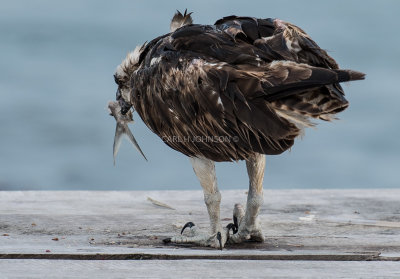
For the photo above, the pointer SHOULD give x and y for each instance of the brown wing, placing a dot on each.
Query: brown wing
(198, 108)
(286, 41)
(208, 94)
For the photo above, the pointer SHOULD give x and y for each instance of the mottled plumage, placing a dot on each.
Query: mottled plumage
(254, 83)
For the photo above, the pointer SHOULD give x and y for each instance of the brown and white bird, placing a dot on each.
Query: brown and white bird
(236, 90)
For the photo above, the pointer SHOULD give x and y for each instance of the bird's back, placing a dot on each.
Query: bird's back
(241, 86)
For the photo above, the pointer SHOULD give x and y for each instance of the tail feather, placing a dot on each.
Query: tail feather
(121, 130)
(348, 75)
(318, 104)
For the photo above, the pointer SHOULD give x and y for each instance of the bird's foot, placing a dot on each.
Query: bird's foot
(245, 232)
(197, 237)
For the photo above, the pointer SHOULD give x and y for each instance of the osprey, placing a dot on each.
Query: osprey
(236, 90)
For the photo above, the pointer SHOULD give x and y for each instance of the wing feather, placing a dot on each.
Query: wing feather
(240, 80)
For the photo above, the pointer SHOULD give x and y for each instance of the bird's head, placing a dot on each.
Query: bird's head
(121, 108)
(122, 78)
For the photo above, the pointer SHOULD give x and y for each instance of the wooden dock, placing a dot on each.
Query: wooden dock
(104, 234)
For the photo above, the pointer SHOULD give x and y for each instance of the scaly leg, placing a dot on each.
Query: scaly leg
(248, 224)
(205, 172)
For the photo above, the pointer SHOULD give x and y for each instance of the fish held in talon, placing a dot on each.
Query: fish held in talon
(238, 89)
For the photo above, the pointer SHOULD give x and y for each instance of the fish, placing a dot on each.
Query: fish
(122, 128)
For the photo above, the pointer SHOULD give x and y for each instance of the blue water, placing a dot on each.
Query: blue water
(57, 60)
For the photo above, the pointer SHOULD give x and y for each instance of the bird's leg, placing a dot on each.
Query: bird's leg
(205, 172)
(249, 227)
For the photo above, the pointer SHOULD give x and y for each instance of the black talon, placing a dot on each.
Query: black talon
(235, 221)
(219, 237)
(188, 224)
(232, 227)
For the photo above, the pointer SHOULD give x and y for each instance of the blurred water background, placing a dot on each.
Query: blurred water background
(57, 60)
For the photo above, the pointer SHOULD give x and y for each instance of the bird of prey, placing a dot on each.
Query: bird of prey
(240, 89)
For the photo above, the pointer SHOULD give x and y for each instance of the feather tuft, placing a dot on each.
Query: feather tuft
(180, 20)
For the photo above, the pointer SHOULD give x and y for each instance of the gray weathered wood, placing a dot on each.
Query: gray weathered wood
(196, 269)
(298, 225)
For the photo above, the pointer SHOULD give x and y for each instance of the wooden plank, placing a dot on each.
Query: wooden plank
(196, 269)
(166, 254)
(298, 225)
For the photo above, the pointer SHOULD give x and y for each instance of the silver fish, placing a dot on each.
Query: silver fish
(122, 128)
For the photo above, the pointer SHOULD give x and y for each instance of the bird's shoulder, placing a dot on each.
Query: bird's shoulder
(241, 40)
(281, 39)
